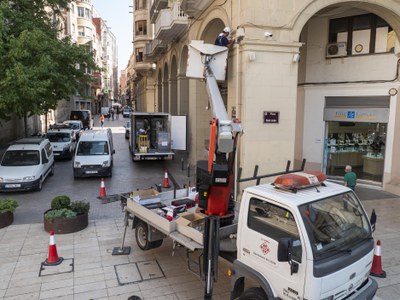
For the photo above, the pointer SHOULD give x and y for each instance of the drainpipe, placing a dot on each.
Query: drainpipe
(236, 186)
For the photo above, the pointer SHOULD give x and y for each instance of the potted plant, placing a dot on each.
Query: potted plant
(66, 216)
(7, 209)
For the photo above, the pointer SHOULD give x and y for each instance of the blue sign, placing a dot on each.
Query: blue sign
(351, 114)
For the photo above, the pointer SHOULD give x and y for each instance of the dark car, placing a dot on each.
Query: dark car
(126, 111)
(84, 115)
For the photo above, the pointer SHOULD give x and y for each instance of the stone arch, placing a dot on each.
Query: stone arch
(183, 83)
(173, 86)
(388, 10)
(165, 88)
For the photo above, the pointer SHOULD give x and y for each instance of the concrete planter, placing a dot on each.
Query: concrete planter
(6, 218)
(64, 225)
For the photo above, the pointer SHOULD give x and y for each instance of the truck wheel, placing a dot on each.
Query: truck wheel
(142, 236)
(254, 294)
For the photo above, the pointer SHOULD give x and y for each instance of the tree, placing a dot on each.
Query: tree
(37, 69)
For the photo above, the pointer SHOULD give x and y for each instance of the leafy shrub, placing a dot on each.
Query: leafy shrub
(60, 213)
(60, 202)
(8, 205)
(80, 207)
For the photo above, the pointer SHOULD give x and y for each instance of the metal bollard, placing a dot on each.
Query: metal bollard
(182, 164)
(188, 170)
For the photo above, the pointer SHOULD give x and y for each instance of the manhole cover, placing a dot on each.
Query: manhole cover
(139, 271)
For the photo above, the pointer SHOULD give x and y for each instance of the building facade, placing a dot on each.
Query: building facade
(327, 70)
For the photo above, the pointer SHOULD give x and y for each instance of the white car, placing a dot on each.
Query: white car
(63, 141)
(94, 154)
(76, 126)
(26, 164)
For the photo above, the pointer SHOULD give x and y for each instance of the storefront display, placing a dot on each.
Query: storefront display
(361, 145)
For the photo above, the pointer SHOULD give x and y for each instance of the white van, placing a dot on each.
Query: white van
(26, 164)
(94, 154)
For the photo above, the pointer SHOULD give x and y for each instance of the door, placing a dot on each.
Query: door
(266, 224)
(179, 133)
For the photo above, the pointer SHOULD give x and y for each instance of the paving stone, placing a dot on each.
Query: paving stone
(91, 295)
(53, 293)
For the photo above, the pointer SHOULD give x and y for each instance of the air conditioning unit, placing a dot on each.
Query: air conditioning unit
(336, 49)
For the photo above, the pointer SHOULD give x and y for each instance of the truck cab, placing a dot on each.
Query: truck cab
(313, 244)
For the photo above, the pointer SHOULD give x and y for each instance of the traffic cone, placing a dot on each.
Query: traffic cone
(166, 183)
(376, 269)
(102, 189)
(52, 258)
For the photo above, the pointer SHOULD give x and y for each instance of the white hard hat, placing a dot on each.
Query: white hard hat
(227, 29)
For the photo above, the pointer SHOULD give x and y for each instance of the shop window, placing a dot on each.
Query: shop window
(141, 27)
(363, 34)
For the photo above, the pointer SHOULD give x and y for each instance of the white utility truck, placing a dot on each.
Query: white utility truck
(298, 238)
(155, 136)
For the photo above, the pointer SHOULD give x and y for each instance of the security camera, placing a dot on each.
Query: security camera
(268, 34)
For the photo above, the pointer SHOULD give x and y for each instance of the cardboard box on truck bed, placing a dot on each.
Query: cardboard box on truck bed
(144, 197)
(191, 225)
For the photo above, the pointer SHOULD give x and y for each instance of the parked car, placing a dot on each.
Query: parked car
(63, 140)
(106, 111)
(126, 111)
(83, 115)
(127, 129)
(26, 164)
(94, 154)
(76, 126)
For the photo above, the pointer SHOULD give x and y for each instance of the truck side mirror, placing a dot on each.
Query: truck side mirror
(284, 249)
(372, 220)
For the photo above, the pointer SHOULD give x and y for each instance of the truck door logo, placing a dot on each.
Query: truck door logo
(264, 247)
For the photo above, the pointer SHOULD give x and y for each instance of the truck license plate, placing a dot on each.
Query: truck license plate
(13, 185)
(91, 172)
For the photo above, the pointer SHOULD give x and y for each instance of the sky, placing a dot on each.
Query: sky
(116, 13)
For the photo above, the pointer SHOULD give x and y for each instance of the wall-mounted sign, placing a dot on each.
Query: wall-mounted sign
(271, 117)
(370, 115)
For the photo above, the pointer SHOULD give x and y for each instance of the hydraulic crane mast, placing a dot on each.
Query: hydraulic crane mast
(209, 62)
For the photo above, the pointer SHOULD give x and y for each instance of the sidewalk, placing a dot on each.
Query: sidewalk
(90, 271)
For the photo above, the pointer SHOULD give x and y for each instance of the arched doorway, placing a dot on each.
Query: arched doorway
(347, 67)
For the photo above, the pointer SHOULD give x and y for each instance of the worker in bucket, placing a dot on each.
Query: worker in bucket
(223, 38)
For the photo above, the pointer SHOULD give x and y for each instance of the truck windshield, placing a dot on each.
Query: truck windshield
(335, 224)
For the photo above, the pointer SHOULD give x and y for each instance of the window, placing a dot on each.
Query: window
(81, 30)
(271, 220)
(363, 34)
(81, 12)
(139, 54)
(140, 4)
(141, 27)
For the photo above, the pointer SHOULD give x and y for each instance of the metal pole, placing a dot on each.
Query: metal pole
(123, 250)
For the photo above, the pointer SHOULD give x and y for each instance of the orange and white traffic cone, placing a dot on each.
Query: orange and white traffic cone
(102, 189)
(376, 269)
(52, 258)
(166, 183)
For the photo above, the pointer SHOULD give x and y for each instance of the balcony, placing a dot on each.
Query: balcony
(154, 50)
(155, 9)
(194, 8)
(171, 23)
